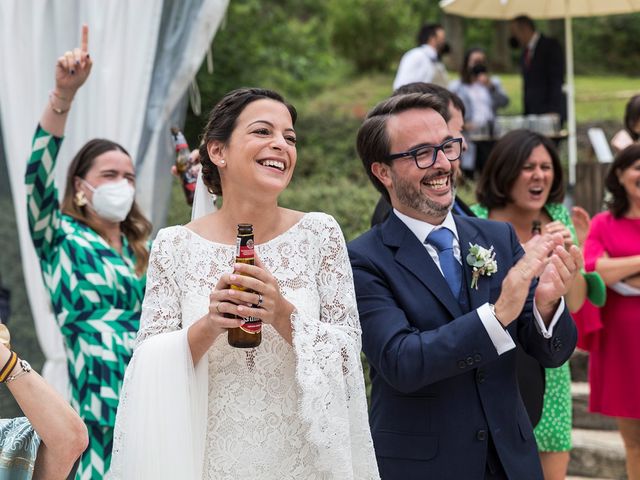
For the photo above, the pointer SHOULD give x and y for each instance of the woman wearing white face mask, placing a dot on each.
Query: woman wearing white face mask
(93, 249)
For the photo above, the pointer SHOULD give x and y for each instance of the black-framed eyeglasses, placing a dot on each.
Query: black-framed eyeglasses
(426, 155)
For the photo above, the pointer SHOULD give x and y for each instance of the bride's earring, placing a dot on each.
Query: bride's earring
(80, 199)
(222, 162)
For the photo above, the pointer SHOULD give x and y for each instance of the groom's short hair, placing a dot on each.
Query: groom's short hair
(373, 142)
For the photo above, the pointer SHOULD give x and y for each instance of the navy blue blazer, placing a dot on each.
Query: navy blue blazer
(439, 387)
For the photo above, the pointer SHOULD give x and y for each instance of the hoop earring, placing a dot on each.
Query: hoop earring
(80, 199)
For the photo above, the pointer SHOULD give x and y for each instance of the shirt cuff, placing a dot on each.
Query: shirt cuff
(497, 333)
(547, 332)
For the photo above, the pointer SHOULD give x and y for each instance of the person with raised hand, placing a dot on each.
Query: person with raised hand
(93, 247)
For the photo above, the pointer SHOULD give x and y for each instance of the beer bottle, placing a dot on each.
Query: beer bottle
(536, 227)
(183, 164)
(249, 334)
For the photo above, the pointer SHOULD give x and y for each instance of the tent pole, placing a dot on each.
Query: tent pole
(570, 90)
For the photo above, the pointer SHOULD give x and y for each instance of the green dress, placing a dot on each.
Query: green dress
(96, 297)
(553, 432)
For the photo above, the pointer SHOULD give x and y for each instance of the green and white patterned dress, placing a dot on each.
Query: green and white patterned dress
(96, 297)
(553, 432)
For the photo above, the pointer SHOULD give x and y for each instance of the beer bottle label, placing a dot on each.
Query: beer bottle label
(244, 248)
(244, 254)
(251, 325)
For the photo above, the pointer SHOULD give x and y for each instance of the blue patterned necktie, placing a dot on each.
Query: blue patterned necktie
(442, 240)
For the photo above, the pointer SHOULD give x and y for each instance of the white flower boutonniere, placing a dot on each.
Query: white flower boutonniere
(483, 262)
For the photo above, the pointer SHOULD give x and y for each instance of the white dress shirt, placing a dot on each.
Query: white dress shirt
(420, 64)
(499, 336)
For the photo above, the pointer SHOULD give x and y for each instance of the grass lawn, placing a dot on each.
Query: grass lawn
(598, 98)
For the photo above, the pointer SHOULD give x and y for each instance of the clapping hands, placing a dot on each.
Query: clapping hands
(547, 258)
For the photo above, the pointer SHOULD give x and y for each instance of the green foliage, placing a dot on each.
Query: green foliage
(607, 44)
(369, 33)
(326, 147)
(349, 203)
(280, 44)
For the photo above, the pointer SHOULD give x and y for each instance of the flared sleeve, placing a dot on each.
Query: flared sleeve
(161, 422)
(329, 369)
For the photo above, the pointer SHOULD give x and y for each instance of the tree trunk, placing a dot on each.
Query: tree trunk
(454, 27)
(501, 59)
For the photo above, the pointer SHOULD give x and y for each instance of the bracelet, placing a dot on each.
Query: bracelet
(8, 367)
(57, 95)
(26, 368)
(58, 111)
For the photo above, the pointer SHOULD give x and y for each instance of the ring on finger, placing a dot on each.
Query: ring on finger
(218, 309)
(260, 300)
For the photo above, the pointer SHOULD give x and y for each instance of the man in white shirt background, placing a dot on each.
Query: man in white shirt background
(422, 63)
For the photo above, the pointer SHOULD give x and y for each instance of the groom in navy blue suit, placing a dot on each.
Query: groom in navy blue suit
(445, 402)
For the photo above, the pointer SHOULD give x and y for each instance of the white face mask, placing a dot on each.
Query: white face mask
(112, 200)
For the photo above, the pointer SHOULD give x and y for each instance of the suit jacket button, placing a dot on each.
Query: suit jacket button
(481, 435)
(477, 358)
(469, 360)
(462, 364)
(480, 376)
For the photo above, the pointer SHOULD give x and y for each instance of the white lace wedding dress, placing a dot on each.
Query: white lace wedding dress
(274, 412)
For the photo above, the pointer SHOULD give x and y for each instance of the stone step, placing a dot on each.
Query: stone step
(598, 454)
(579, 364)
(582, 418)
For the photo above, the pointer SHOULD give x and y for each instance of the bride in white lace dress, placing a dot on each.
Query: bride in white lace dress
(193, 407)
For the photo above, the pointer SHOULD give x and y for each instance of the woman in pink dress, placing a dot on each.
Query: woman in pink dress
(612, 249)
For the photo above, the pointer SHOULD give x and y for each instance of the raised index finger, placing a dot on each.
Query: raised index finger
(84, 44)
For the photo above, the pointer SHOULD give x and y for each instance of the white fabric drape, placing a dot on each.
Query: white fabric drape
(112, 104)
(187, 26)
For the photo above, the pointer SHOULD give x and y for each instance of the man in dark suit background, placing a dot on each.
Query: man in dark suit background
(445, 402)
(542, 65)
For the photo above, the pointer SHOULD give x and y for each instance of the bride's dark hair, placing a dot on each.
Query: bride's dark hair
(222, 122)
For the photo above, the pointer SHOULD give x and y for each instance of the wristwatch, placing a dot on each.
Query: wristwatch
(26, 368)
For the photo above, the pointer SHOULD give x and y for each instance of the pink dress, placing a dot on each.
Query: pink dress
(614, 364)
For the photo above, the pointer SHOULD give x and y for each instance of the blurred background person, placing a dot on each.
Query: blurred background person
(542, 65)
(424, 62)
(482, 96)
(612, 249)
(522, 184)
(93, 250)
(46, 443)
(631, 131)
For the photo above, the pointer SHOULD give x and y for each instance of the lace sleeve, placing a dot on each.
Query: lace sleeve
(329, 371)
(161, 310)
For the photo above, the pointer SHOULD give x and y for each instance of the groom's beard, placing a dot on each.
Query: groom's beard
(413, 198)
